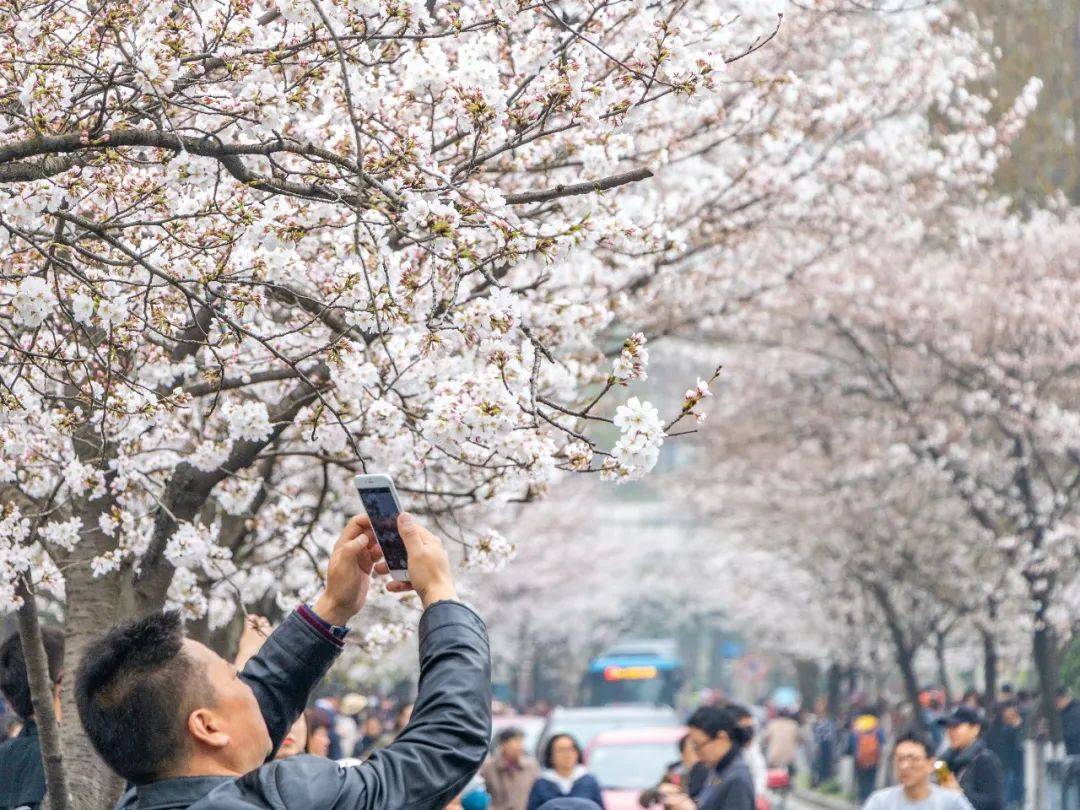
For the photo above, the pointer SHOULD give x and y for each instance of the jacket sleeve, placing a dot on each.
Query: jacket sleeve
(983, 785)
(282, 674)
(436, 755)
(536, 796)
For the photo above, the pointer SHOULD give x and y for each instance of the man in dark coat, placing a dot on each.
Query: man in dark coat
(22, 775)
(972, 765)
(1069, 708)
(188, 731)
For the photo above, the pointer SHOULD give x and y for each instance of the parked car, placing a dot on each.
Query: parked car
(628, 761)
(583, 724)
(531, 724)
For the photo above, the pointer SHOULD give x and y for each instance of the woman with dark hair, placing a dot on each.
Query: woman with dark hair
(318, 739)
(563, 774)
(728, 784)
(751, 752)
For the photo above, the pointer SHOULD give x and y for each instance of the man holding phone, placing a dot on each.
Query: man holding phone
(181, 724)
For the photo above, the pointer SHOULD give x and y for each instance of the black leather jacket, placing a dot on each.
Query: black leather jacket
(428, 765)
(980, 775)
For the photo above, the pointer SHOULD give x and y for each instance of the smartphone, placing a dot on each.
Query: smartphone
(382, 506)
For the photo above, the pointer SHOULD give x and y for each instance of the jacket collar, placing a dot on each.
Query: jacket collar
(174, 793)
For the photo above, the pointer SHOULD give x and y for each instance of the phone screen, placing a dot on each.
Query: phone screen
(383, 514)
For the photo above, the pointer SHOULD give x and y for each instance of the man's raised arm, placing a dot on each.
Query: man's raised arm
(297, 655)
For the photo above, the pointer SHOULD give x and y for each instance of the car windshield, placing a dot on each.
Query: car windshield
(633, 766)
(583, 729)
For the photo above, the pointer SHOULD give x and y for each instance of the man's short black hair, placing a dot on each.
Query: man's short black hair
(135, 689)
(507, 734)
(14, 682)
(917, 737)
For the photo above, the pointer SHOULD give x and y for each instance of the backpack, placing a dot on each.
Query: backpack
(867, 750)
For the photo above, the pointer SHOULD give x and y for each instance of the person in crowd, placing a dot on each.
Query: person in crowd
(750, 750)
(823, 739)
(973, 767)
(401, 720)
(718, 740)
(1005, 737)
(866, 742)
(1069, 708)
(295, 740)
(318, 736)
(781, 740)
(474, 797)
(1006, 693)
(563, 774)
(678, 772)
(188, 731)
(347, 726)
(932, 712)
(510, 773)
(370, 734)
(22, 775)
(972, 699)
(913, 764)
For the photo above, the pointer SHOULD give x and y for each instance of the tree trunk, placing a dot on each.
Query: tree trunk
(990, 666)
(807, 674)
(833, 688)
(58, 796)
(943, 670)
(93, 605)
(1044, 647)
(905, 653)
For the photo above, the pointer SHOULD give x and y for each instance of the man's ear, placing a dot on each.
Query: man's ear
(206, 729)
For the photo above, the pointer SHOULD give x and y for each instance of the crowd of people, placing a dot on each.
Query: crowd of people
(186, 728)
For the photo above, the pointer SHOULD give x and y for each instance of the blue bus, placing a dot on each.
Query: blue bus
(647, 671)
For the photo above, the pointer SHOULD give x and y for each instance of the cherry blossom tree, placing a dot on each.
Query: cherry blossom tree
(251, 251)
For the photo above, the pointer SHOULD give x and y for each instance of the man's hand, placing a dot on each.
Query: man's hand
(678, 801)
(950, 783)
(256, 629)
(348, 576)
(429, 567)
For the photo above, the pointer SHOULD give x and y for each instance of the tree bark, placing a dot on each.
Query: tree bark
(942, 668)
(833, 688)
(807, 674)
(904, 651)
(58, 796)
(990, 666)
(1044, 647)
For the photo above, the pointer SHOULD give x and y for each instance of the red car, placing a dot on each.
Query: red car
(628, 761)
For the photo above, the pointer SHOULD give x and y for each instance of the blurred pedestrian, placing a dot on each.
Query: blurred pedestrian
(972, 766)
(781, 740)
(972, 699)
(509, 773)
(318, 737)
(823, 744)
(866, 743)
(22, 775)
(295, 740)
(750, 750)
(563, 774)
(346, 725)
(913, 764)
(370, 734)
(729, 785)
(1069, 708)
(1005, 737)
(401, 719)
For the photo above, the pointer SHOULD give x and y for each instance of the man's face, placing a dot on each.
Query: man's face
(962, 735)
(1062, 701)
(238, 720)
(913, 765)
(1010, 715)
(513, 748)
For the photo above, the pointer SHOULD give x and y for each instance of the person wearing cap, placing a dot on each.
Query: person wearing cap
(510, 773)
(973, 767)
